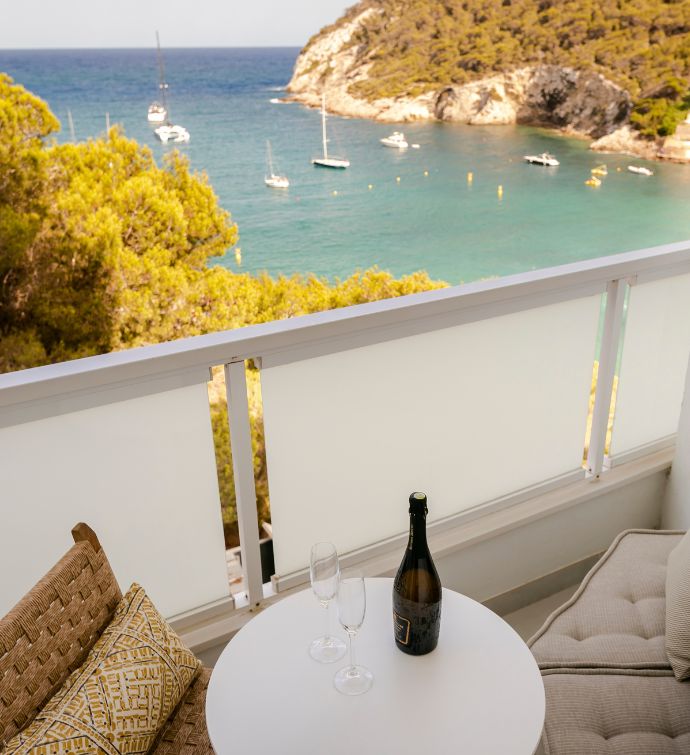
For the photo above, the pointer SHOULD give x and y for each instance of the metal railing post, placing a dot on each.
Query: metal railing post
(243, 470)
(610, 341)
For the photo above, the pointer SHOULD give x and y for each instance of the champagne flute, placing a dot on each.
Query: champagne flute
(324, 572)
(352, 603)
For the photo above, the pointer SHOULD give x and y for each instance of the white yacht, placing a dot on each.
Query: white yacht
(272, 179)
(640, 170)
(326, 161)
(544, 159)
(170, 133)
(396, 140)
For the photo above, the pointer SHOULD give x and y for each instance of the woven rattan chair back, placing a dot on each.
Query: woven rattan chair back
(52, 628)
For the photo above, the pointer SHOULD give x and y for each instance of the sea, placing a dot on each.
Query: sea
(463, 205)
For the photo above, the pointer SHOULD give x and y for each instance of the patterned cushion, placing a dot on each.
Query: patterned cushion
(616, 619)
(123, 693)
(678, 609)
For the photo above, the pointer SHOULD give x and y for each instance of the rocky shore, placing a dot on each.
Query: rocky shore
(577, 103)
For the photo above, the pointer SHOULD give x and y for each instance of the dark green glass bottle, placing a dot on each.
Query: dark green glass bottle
(417, 589)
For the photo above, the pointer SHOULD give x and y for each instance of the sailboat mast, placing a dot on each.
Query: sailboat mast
(323, 125)
(270, 158)
(161, 73)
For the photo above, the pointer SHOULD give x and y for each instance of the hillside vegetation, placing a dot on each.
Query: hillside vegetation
(414, 46)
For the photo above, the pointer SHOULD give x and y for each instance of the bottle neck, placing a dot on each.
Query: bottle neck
(417, 540)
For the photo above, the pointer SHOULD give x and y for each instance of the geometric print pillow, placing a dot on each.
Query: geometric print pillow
(118, 700)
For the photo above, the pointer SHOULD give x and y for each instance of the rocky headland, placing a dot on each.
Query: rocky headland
(576, 102)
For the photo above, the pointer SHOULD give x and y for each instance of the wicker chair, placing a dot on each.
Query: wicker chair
(49, 633)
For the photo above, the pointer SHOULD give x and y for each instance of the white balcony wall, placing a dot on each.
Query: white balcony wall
(141, 473)
(652, 372)
(467, 414)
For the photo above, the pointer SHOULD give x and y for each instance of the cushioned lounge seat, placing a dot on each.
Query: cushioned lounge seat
(609, 686)
(616, 715)
(616, 619)
(49, 633)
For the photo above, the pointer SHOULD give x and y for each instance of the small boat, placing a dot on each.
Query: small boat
(170, 133)
(273, 180)
(640, 170)
(157, 113)
(544, 159)
(593, 181)
(157, 110)
(326, 161)
(600, 170)
(396, 140)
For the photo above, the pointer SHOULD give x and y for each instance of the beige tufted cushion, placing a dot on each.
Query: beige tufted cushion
(616, 619)
(678, 609)
(597, 714)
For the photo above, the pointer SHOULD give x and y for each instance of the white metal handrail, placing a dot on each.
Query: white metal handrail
(336, 330)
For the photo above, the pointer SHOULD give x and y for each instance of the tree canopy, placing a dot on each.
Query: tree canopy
(102, 249)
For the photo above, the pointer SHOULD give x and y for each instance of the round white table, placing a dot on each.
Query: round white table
(478, 693)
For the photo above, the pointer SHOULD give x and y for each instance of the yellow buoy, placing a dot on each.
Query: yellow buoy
(470, 177)
(500, 191)
(238, 255)
(371, 186)
(397, 178)
(426, 172)
(335, 193)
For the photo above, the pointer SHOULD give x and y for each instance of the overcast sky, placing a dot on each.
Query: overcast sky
(181, 23)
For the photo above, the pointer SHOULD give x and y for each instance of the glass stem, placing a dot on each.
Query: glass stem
(327, 605)
(351, 646)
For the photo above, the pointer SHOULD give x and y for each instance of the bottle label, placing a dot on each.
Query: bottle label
(402, 628)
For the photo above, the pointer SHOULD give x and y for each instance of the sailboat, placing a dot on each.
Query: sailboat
(157, 111)
(272, 180)
(167, 132)
(326, 161)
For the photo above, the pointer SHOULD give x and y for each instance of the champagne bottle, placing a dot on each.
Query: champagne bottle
(417, 589)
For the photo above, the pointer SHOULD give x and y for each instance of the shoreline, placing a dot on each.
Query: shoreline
(622, 141)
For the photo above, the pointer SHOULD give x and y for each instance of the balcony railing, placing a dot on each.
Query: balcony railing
(477, 394)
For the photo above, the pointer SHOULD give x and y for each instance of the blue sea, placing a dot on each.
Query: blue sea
(401, 211)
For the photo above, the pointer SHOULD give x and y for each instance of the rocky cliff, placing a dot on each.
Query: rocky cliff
(579, 102)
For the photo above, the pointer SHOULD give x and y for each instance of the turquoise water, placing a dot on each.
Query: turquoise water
(436, 222)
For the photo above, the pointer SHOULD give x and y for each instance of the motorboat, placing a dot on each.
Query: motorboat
(544, 159)
(272, 179)
(600, 170)
(640, 170)
(326, 161)
(593, 181)
(170, 133)
(396, 140)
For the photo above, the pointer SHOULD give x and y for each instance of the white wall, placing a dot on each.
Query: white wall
(510, 560)
(141, 473)
(676, 509)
